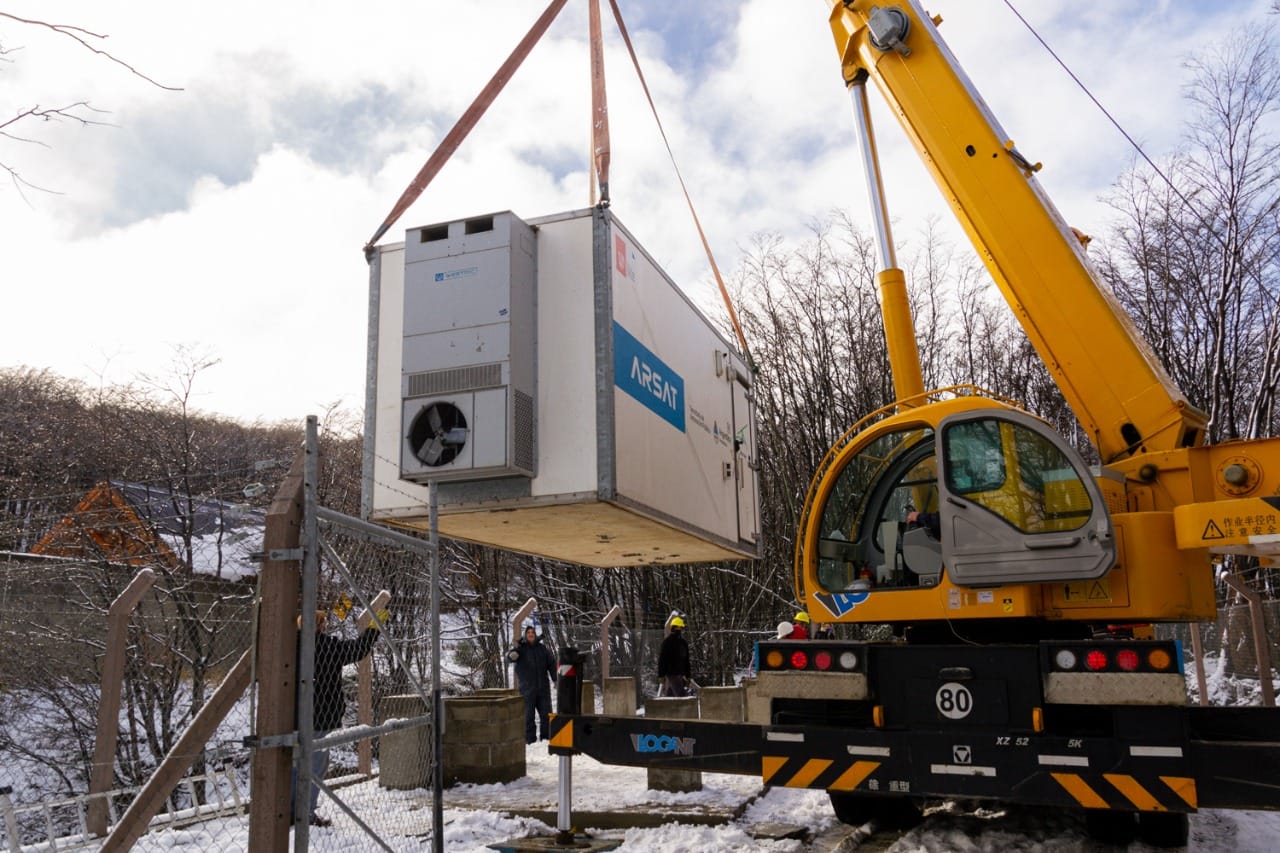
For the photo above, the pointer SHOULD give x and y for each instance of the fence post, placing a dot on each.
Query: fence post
(276, 667)
(1197, 647)
(104, 743)
(525, 609)
(604, 643)
(364, 713)
(1261, 649)
(364, 685)
(10, 819)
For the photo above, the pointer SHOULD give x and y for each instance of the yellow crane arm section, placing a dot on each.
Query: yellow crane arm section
(1111, 379)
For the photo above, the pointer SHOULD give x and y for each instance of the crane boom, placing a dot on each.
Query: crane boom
(1109, 376)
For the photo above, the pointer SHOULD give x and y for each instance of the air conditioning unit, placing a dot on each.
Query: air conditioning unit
(469, 350)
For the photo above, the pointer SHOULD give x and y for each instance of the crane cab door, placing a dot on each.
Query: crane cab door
(1017, 504)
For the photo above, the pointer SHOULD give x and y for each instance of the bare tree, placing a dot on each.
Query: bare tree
(1197, 259)
(22, 128)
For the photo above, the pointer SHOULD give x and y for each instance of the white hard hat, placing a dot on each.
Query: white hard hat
(784, 630)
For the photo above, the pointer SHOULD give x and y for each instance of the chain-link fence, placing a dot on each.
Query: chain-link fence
(1230, 653)
(95, 690)
(113, 664)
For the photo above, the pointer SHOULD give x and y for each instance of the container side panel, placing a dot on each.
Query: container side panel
(674, 414)
(390, 493)
(566, 361)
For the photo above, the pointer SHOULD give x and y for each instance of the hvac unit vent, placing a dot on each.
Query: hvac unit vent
(456, 379)
(469, 358)
(524, 450)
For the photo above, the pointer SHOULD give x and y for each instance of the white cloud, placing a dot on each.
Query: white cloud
(232, 214)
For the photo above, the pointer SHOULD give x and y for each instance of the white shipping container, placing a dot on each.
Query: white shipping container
(568, 398)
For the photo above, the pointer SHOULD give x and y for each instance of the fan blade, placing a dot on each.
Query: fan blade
(433, 418)
(429, 453)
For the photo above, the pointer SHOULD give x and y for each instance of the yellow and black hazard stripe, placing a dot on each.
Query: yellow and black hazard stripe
(799, 772)
(1124, 791)
(561, 732)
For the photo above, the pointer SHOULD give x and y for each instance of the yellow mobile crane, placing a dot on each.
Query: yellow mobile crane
(996, 553)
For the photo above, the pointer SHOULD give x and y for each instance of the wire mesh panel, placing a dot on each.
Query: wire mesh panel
(1230, 664)
(363, 774)
(95, 695)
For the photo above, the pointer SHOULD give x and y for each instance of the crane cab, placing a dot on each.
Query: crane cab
(954, 510)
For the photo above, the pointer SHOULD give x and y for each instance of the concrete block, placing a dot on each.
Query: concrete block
(673, 708)
(722, 703)
(620, 697)
(484, 737)
(758, 707)
(588, 697)
(479, 732)
(460, 709)
(404, 756)
(468, 754)
(502, 754)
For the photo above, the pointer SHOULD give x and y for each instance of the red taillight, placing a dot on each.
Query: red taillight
(1096, 660)
(1127, 659)
(822, 660)
(799, 660)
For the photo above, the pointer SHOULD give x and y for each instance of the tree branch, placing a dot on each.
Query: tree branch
(79, 35)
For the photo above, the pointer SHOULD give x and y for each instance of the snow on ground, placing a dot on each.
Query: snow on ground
(600, 787)
(477, 816)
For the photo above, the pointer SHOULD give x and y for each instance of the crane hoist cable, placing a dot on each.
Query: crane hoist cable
(706, 245)
(468, 121)
(1116, 124)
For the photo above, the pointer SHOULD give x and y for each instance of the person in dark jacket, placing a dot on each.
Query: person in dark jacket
(673, 660)
(930, 521)
(534, 662)
(327, 701)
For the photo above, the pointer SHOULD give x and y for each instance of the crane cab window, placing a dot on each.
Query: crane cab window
(863, 518)
(1017, 474)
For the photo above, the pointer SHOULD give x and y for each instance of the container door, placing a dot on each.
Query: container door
(1018, 504)
(744, 463)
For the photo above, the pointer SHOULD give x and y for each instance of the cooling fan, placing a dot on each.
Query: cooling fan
(438, 434)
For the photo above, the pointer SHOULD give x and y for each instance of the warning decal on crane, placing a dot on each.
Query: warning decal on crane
(840, 603)
(1212, 531)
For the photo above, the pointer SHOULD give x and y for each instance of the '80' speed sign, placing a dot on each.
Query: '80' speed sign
(954, 700)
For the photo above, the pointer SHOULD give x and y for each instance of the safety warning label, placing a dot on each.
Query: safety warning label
(1241, 526)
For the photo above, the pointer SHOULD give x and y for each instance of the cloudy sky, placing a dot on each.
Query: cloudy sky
(229, 217)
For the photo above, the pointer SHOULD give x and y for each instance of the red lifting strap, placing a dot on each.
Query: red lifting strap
(460, 130)
(599, 106)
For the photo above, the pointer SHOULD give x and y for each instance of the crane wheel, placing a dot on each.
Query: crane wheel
(1110, 827)
(888, 812)
(1164, 829)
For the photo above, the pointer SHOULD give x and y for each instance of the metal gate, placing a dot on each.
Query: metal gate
(365, 598)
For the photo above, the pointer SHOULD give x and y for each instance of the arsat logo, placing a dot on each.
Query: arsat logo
(651, 380)
(663, 743)
(645, 377)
